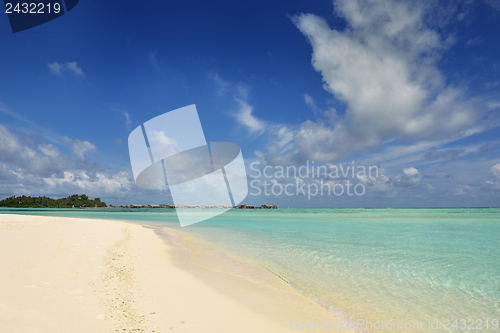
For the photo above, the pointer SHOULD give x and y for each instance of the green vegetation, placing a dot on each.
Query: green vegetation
(45, 202)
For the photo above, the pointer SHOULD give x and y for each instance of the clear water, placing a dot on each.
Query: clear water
(376, 264)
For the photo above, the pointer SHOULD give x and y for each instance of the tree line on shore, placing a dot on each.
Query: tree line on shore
(75, 200)
(83, 201)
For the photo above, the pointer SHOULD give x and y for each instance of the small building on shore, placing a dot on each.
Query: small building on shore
(242, 206)
(135, 206)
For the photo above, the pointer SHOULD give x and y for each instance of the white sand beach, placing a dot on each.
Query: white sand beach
(82, 275)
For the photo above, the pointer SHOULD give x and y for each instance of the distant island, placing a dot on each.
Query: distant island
(73, 201)
(83, 201)
(242, 206)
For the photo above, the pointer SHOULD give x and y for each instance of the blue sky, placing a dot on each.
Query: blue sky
(409, 87)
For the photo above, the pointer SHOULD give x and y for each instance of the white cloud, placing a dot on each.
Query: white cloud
(411, 177)
(495, 170)
(244, 112)
(245, 117)
(463, 190)
(281, 141)
(329, 116)
(55, 68)
(285, 136)
(311, 103)
(51, 169)
(71, 67)
(53, 181)
(383, 66)
(99, 184)
(49, 150)
(128, 120)
(221, 86)
(8, 142)
(74, 69)
(13, 150)
(411, 171)
(16, 154)
(43, 158)
(164, 144)
(82, 148)
(494, 184)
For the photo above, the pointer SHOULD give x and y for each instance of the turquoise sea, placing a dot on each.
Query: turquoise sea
(398, 265)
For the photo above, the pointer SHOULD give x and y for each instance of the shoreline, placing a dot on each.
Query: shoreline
(81, 275)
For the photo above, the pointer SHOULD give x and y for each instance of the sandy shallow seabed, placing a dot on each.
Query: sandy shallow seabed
(81, 275)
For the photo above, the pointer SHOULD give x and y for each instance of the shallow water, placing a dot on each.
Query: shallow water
(393, 265)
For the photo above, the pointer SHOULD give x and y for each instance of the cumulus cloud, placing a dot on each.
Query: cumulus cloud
(13, 151)
(71, 67)
(40, 159)
(32, 168)
(165, 145)
(494, 183)
(410, 177)
(410, 172)
(82, 148)
(49, 150)
(55, 68)
(74, 69)
(495, 170)
(383, 66)
(100, 184)
(9, 143)
(461, 190)
(329, 116)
